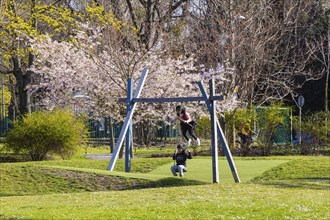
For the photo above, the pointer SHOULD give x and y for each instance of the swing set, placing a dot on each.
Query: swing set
(210, 102)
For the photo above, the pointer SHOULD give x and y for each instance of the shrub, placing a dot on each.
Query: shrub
(241, 122)
(203, 128)
(40, 133)
(259, 127)
(315, 130)
(269, 121)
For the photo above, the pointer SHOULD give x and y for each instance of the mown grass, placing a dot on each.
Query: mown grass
(66, 176)
(25, 179)
(296, 189)
(302, 172)
(224, 201)
(138, 165)
(201, 169)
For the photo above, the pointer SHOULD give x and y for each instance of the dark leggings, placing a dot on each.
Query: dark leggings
(187, 127)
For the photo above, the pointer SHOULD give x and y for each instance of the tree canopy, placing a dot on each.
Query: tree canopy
(258, 51)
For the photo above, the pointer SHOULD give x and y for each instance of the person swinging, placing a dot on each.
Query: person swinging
(186, 124)
(180, 156)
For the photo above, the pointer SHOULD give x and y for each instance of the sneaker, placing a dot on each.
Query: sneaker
(189, 142)
(181, 175)
(198, 142)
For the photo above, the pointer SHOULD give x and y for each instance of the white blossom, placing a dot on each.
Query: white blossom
(100, 72)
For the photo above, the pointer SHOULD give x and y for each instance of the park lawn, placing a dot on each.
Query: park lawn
(297, 189)
(64, 176)
(201, 169)
(213, 201)
(299, 172)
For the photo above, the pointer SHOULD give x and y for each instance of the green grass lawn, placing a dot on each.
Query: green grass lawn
(85, 175)
(201, 169)
(271, 188)
(224, 201)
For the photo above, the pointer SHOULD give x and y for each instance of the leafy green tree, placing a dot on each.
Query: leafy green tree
(256, 126)
(41, 133)
(241, 123)
(203, 128)
(269, 120)
(6, 95)
(19, 21)
(316, 129)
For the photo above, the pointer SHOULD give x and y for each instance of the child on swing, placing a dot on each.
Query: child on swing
(186, 124)
(180, 156)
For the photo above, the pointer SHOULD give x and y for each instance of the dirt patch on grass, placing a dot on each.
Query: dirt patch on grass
(95, 182)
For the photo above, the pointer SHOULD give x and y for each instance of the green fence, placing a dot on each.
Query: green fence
(100, 130)
(283, 132)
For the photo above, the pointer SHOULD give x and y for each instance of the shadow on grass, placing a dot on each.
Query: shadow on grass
(124, 184)
(303, 183)
(166, 182)
(321, 179)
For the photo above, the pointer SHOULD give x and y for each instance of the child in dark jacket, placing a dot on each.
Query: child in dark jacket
(180, 156)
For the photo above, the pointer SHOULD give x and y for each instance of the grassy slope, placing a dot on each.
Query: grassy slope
(302, 172)
(86, 175)
(78, 176)
(303, 194)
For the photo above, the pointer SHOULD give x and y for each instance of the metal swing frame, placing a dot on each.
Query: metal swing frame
(210, 102)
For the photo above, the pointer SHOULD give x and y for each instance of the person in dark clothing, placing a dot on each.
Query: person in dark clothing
(186, 124)
(180, 156)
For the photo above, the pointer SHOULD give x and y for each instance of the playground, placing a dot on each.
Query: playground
(271, 188)
(164, 110)
(210, 102)
(89, 187)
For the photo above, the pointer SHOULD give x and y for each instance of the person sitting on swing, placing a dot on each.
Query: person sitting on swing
(180, 156)
(186, 124)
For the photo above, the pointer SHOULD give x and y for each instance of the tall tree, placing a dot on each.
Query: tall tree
(22, 19)
(271, 47)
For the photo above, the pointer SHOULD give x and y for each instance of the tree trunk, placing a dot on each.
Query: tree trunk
(327, 14)
(23, 79)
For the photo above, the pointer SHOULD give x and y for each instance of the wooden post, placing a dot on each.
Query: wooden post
(221, 136)
(215, 165)
(129, 132)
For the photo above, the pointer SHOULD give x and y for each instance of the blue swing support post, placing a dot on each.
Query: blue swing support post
(127, 122)
(129, 133)
(213, 111)
(220, 135)
(210, 102)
